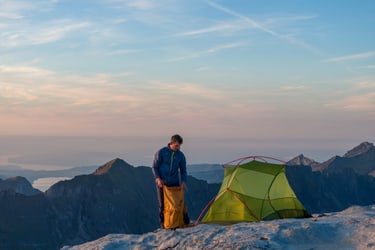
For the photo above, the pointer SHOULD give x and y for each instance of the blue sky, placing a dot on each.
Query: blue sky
(210, 69)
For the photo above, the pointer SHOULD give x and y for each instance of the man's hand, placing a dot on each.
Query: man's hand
(183, 185)
(159, 182)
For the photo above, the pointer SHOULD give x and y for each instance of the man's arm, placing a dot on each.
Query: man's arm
(156, 165)
(183, 171)
(155, 169)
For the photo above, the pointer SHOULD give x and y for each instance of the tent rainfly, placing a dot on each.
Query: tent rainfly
(253, 191)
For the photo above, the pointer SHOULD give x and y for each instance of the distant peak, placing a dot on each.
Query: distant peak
(111, 165)
(19, 185)
(360, 149)
(301, 160)
(18, 179)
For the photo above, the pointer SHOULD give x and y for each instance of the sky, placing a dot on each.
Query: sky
(269, 71)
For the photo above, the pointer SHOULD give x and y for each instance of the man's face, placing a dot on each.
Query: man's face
(175, 146)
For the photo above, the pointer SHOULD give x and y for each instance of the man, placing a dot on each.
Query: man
(169, 169)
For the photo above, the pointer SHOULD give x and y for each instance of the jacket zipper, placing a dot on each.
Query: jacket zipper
(170, 167)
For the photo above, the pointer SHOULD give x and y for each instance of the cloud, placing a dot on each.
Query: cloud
(353, 57)
(37, 90)
(139, 4)
(368, 67)
(19, 9)
(53, 103)
(360, 97)
(202, 68)
(218, 28)
(14, 95)
(13, 9)
(293, 88)
(58, 32)
(125, 52)
(185, 90)
(20, 27)
(212, 50)
(39, 33)
(31, 88)
(225, 46)
(367, 85)
(49, 90)
(9, 15)
(364, 102)
(15, 70)
(142, 4)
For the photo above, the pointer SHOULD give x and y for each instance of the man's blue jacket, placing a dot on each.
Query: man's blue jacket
(167, 164)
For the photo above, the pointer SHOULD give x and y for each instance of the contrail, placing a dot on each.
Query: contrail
(252, 22)
(259, 26)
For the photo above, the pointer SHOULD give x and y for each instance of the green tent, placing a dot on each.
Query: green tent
(254, 191)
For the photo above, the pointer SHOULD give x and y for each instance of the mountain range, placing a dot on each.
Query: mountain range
(120, 198)
(115, 198)
(360, 159)
(337, 183)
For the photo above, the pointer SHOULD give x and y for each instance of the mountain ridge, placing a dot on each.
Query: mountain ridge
(111, 166)
(361, 159)
(362, 148)
(302, 160)
(19, 185)
(202, 171)
(120, 198)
